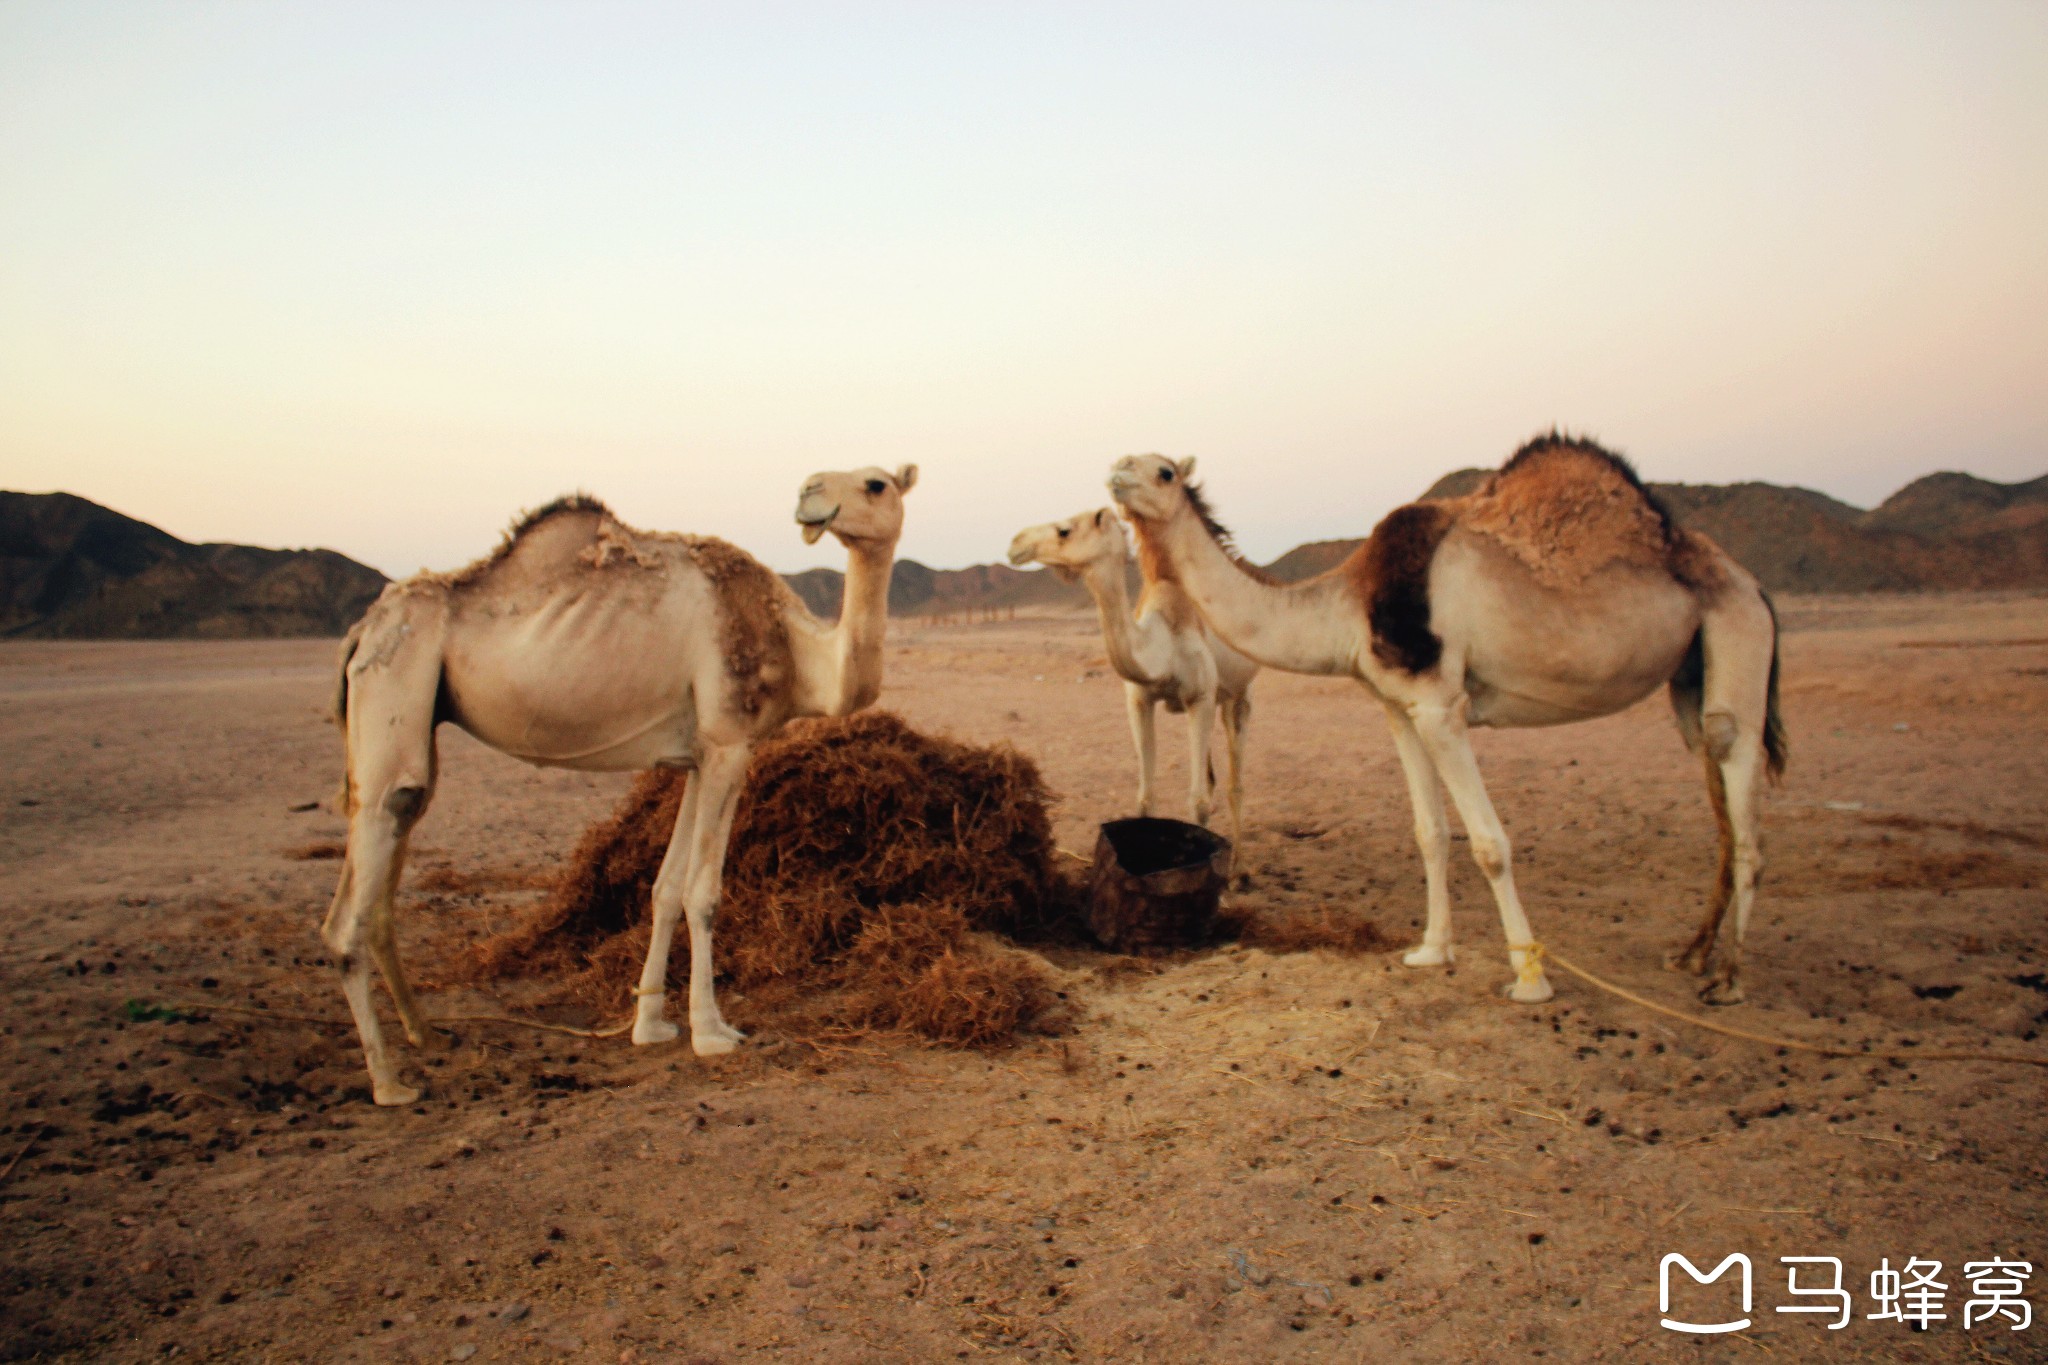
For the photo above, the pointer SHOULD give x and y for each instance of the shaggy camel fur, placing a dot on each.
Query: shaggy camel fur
(583, 643)
(1165, 654)
(1559, 591)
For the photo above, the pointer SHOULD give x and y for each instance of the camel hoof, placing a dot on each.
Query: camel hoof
(710, 1044)
(1726, 991)
(1428, 955)
(1530, 992)
(649, 1031)
(428, 1039)
(394, 1093)
(1692, 961)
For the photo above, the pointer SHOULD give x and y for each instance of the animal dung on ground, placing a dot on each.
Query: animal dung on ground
(874, 876)
(1156, 884)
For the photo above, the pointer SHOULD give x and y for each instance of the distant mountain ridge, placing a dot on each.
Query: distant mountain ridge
(72, 569)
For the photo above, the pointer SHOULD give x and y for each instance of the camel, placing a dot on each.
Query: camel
(1165, 654)
(1558, 591)
(584, 643)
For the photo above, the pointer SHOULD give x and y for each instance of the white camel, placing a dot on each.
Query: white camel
(584, 643)
(1164, 653)
(1559, 591)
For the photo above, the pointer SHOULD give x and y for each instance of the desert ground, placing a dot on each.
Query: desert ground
(1232, 1155)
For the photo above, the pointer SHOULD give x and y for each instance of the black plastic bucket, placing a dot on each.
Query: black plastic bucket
(1156, 884)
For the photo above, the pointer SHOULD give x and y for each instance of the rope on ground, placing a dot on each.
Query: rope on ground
(1765, 1038)
(613, 1031)
(33, 1140)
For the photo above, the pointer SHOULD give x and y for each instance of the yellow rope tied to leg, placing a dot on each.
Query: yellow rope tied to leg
(640, 994)
(1531, 969)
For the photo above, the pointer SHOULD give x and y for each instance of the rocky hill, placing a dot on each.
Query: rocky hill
(915, 590)
(72, 569)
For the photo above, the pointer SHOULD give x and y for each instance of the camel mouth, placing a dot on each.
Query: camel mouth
(814, 527)
(1020, 556)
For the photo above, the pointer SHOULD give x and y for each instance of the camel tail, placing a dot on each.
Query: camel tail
(344, 800)
(1776, 747)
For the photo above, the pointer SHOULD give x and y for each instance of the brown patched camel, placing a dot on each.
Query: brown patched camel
(1162, 651)
(1559, 591)
(584, 643)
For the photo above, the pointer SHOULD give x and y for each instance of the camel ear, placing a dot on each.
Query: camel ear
(1186, 468)
(906, 478)
(1100, 513)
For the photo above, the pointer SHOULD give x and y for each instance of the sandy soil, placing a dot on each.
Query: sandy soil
(1241, 1156)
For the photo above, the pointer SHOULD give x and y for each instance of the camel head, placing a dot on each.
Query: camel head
(1151, 487)
(855, 505)
(1071, 546)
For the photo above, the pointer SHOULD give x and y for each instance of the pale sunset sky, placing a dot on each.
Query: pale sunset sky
(374, 276)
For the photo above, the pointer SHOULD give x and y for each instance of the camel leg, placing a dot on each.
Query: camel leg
(1443, 733)
(1432, 836)
(1201, 780)
(669, 883)
(702, 830)
(1693, 958)
(723, 772)
(1237, 714)
(1739, 774)
(1738, 638)
(1139, 704)
(381, 937)
(391, 768)
(380, 928)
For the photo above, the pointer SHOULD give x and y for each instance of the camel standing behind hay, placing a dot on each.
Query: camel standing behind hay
(1164, 653)
(583, 643)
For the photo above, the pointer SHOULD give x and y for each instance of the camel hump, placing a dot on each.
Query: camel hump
(1567, 508)
(576, 544)
(545, 537)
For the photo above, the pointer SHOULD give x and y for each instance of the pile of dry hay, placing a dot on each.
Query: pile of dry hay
(873, 877)
(870, 870)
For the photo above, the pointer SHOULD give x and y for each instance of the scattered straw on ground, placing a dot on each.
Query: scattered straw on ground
(1302, 930)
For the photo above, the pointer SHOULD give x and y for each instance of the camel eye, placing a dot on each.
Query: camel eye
(1166, 476)
(1065, 531)
(875, 487)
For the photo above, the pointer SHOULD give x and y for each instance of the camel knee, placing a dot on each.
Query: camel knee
(1492, 854)
(405, 805)
(1720, 732)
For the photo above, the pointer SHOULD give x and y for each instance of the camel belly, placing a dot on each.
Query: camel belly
(573, 683)
(1539, 654)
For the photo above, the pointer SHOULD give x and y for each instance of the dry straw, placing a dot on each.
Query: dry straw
(877, 879)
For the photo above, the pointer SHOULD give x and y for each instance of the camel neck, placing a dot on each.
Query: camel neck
(863, 624)
(1133, 653)
(1298, 627)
